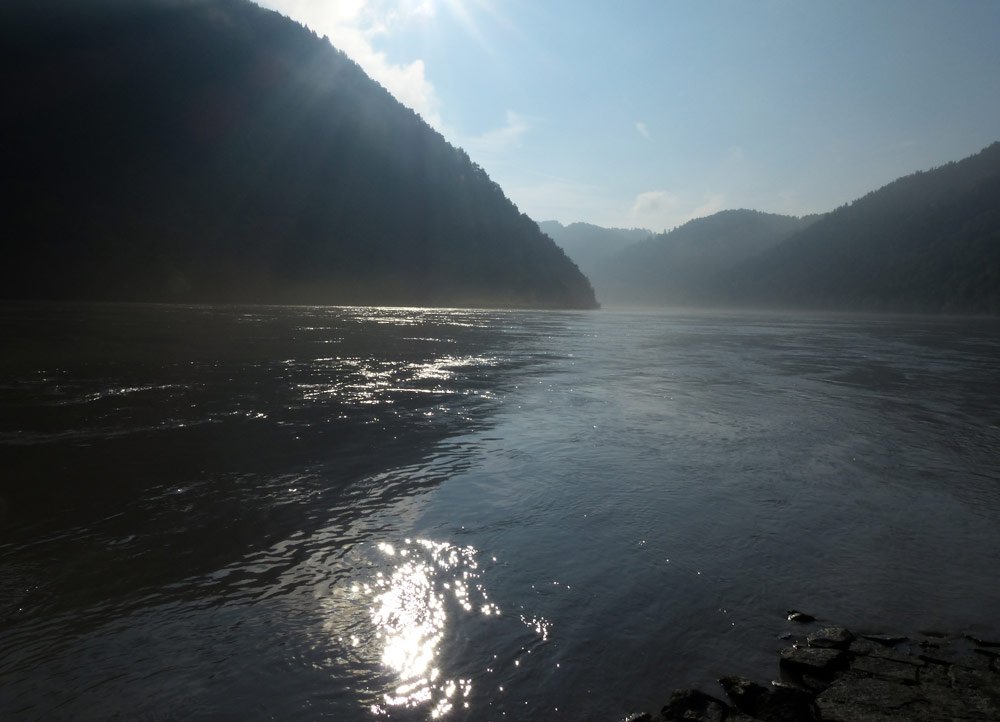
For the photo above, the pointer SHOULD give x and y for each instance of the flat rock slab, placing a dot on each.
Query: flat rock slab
(830, 637)
(886, 669)
(771, 704)
(858, 692)
(934, 674)
(886, 640)
(812, 660)
(957, 651)
(864, 647)
(983, 642)
(692, 705)
(873, 680)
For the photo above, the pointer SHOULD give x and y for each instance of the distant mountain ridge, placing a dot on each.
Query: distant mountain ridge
(928, 243)
(590, 246)
(211, 150)
(683, 266)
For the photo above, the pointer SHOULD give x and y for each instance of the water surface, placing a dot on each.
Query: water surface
(357, 513)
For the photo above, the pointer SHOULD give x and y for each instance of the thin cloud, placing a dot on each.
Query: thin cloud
(713, 203)
(654, 202)
(499, 140)
(641, 127)
(664, 210)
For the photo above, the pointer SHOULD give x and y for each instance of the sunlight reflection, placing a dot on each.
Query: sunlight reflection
(417, 316)
(409, 608)
(382, 382)
(443, 368)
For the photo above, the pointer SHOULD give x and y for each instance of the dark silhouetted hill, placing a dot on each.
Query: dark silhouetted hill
(590, 246)
(210, 150)
(686, 266)
(925, 243)
(928, 242)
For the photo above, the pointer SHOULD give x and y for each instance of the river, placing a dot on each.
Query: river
(372, 513)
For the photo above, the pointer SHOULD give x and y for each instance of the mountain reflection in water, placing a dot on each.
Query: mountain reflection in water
(362, 513)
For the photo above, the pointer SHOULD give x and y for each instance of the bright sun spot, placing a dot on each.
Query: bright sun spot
(409, 610)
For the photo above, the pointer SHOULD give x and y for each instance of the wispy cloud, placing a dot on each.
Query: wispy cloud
(654, 203)
(641, 127)
(498, 140)
(711, 203)
(661, 209)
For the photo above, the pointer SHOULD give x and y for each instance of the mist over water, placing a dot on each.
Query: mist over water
(361, 513)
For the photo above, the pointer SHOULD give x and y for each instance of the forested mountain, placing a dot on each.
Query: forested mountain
(590, 246)
(686, 265)
(928, 242)
(205, 150)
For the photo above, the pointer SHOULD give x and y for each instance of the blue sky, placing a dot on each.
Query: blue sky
(652, 112)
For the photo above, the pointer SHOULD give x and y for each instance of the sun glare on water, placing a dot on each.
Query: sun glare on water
(410, 612)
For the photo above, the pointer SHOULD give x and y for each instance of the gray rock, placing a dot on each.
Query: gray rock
(962, 678)
(691, 705)
(744, 694)
(982, 703)
(863, 646)
(830, 637)
(885, 640)
(639, 717)
(886, 669)
(945, 702)
(793, 615)
(815, 685)
(983, 642)
(860, 647)
(938, 655)
(853, 713)
(866, 693)
(934, 675)
(871, 678)
(977, 662)
(980, 661)
(813, 661)
(795, 679)
(772, 704)
(990, 655)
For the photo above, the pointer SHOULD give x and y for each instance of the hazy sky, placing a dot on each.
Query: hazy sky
(651, 112)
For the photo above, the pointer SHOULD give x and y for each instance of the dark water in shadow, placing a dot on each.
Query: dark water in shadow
(305, 513)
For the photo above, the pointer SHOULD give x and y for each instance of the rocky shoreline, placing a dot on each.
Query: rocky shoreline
(834, 675)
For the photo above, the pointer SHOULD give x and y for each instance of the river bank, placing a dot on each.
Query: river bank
(830, 674)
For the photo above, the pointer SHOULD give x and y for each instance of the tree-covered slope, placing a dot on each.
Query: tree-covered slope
(686, 265)
(928, 242)
(213, 150)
